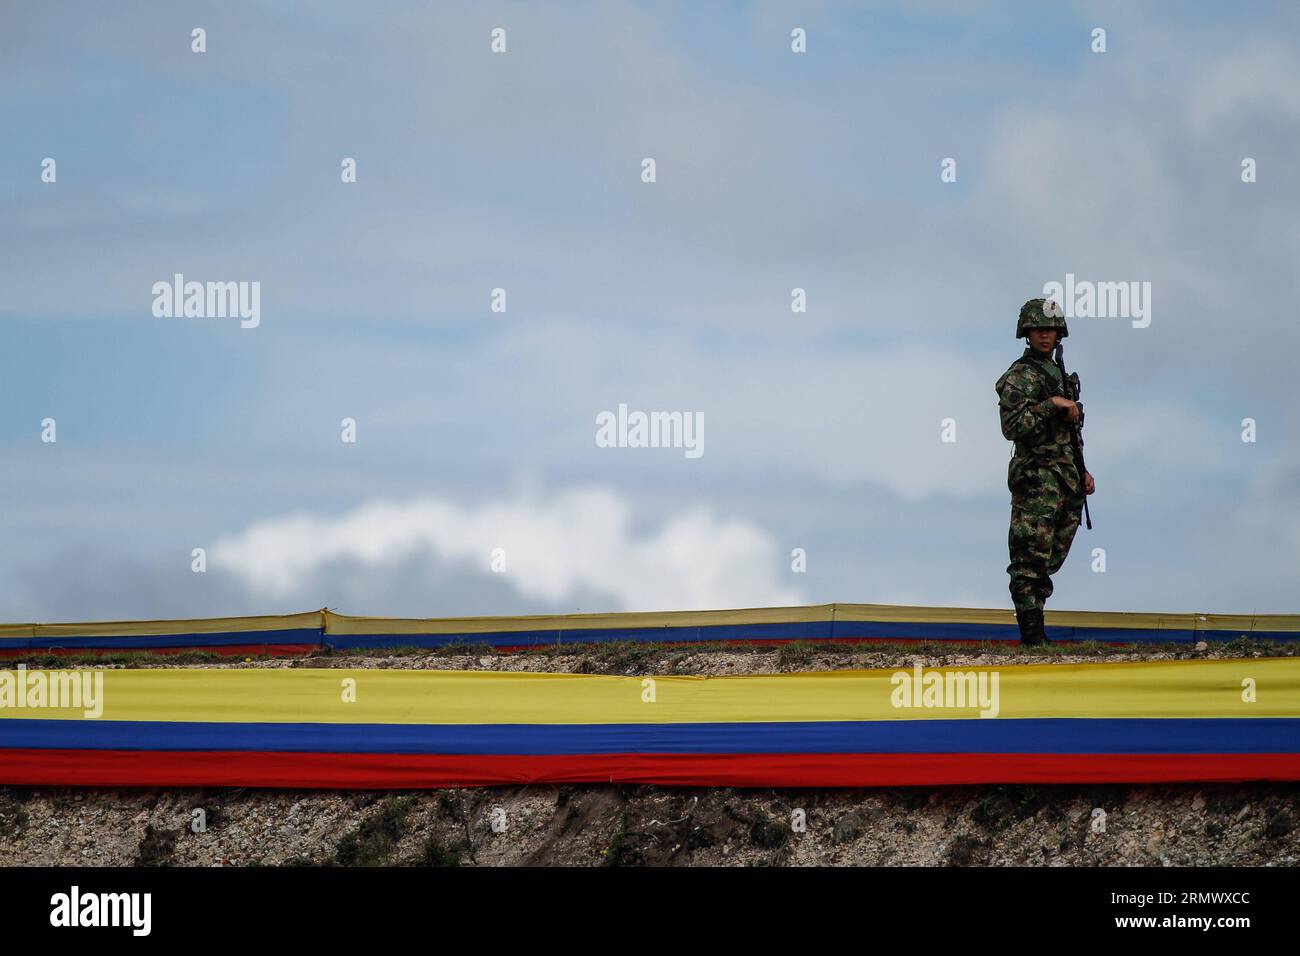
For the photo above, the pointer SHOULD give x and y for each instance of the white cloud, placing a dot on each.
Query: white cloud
(580, 541)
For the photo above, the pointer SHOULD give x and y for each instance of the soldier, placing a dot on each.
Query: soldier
(1047, 493)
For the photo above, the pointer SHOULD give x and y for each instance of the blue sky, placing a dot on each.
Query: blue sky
(522, 171)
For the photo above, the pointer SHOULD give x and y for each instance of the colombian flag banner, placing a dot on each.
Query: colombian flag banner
(264, 634)
(830, 623)
(1197, 720)
(285, 634)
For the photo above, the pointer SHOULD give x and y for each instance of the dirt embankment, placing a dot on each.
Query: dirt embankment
(613, 825)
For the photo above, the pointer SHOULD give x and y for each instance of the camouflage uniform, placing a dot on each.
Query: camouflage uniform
(1044, 480)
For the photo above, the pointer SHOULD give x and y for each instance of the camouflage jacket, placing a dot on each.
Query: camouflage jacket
(1029, 418)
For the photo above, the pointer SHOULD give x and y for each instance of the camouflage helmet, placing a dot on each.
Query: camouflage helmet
(1041, 314)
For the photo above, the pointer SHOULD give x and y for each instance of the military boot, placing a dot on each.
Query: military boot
(1031, 627)
(1039, 627)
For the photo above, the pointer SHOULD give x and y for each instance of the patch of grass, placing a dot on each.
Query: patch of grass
(910, 798)
(448, 806)
(156, 847)
(794, 654)
(965, 850)
(620, 852)
(1027, 799)
(124, 659)
(1004, 805)
(674, 664)
(994, 812)
(624, 657)
(457, 649)
(1279, 825)
(13, 816)
(699, 838)
(433, 853)
(768, 834)
(737, 814)
(462, 648)
(371, 843)
(1244, 646)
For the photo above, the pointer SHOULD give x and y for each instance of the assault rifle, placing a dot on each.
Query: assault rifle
(1072, 389)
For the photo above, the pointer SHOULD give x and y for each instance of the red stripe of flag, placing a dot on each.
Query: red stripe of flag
(135, 768)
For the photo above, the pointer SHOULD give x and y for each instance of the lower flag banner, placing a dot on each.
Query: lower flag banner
(1136, 721)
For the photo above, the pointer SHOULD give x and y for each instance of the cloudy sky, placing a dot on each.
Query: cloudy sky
(475, 430)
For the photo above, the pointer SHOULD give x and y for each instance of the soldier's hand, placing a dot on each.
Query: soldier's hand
(1072, 410)
(1089, 486)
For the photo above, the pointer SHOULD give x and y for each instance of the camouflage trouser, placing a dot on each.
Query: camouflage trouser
(1045, 513)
